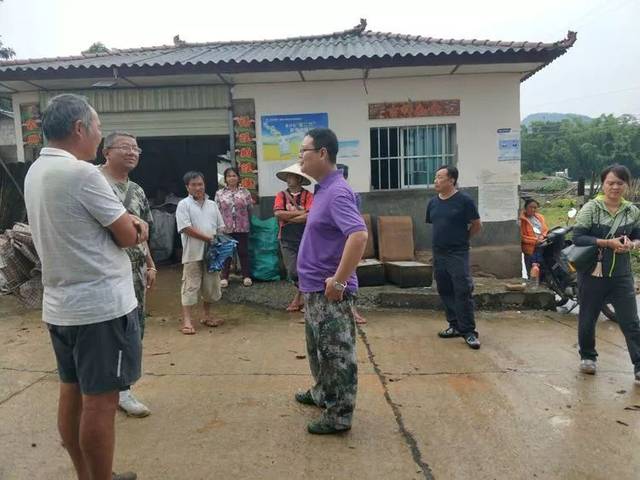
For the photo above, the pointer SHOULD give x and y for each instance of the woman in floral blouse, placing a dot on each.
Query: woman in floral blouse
(235, 204)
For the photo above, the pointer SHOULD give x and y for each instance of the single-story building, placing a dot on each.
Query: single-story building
(8, 148)
(401, 106)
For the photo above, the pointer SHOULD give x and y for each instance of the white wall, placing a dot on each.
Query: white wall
(7, 131)
(487, 102)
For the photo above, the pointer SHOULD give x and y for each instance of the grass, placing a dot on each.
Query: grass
(555, 214)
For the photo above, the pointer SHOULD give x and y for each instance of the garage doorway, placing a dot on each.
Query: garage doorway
(165, 160)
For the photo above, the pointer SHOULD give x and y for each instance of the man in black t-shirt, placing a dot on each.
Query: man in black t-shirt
(455, 220)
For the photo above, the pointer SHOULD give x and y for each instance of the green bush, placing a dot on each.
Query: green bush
(555, 185)
(532, 176)
(563, 203)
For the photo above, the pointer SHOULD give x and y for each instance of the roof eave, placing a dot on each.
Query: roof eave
(564, 46)
(341, 63)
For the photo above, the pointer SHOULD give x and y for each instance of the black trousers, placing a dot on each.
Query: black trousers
(621, 293)
(455, 286)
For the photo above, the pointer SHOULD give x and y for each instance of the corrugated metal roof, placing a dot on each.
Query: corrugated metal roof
(356, 43)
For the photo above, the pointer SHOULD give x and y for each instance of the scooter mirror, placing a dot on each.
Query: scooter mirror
(572, 213)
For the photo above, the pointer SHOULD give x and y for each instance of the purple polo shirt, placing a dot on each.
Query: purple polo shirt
(332, 218)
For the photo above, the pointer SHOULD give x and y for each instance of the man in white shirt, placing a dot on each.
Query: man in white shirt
(79, 230)
(198, 220)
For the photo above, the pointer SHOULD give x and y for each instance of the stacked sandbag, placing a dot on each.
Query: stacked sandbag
(20, 268)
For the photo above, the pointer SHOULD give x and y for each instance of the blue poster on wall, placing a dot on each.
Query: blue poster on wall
(283, 134)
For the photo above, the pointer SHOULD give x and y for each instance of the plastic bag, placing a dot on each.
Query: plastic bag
(219, 251)
(263, 249)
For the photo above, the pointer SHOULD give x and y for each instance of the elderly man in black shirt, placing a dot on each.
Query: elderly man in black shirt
(455, 220)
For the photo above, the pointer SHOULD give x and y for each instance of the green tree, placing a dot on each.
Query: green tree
(96, 47)
(582, 147)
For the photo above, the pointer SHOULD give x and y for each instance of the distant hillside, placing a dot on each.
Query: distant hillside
(553, 117)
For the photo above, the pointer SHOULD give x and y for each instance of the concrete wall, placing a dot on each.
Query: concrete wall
(487, 102)
(7, 131)
(495, 251)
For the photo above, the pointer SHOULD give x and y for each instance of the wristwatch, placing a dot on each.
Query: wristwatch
(341, 287)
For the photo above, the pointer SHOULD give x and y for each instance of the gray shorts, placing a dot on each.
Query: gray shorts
(100, 357)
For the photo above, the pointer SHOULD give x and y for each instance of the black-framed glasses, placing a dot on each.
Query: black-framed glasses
(302, 150)
(127, 149)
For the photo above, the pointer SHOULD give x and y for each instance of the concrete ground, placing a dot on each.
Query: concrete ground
(223, 406)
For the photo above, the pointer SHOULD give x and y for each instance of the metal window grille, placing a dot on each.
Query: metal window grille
(409, 156)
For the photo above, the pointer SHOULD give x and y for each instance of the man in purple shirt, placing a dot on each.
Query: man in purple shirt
(332, 245)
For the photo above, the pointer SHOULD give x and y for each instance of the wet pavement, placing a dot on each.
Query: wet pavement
(427, 408)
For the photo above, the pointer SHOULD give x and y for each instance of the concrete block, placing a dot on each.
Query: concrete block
(502, 261)
(409, 274)
(370, 273)
(369, 250)
(395, 239)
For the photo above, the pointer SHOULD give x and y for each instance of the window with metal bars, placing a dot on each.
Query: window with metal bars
(409, 156)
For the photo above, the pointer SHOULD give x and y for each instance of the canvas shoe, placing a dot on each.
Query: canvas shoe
(132, 406)
(588, 366)
(322, 427)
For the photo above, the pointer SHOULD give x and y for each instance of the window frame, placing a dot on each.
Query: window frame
(449, 130)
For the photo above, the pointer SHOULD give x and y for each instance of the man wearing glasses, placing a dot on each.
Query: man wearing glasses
(122, 155)
(332, 245)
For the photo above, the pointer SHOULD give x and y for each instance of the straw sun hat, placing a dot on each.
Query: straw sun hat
(295, 169)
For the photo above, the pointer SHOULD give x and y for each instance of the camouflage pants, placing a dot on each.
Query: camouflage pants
(331, 347)
(139, 271)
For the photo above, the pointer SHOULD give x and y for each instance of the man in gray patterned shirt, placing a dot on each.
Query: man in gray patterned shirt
(123, 154)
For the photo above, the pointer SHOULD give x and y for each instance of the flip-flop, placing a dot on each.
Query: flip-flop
(360, 320)
(188, 330)
(294, 308)
(210, 323)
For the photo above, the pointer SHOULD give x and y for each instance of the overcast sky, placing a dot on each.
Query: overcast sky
(600, 74)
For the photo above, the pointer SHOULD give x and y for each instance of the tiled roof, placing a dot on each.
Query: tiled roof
(354, 44)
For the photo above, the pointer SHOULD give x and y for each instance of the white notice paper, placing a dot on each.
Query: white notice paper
(498, 202)
(508, 145)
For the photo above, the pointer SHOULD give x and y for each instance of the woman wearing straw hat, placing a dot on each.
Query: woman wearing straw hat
(290, 208)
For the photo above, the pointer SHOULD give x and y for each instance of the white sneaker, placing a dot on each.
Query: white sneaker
(224, 283)
(132, 406)
(588, 366)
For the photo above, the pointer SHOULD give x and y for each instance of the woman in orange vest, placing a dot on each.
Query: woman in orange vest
(533, 229)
